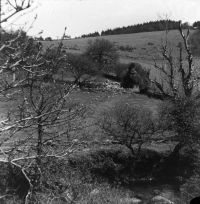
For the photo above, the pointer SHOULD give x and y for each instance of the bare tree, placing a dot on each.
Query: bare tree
(41, 117)
(128, 125)
(10, 8)
(179, 85)
(176, 70)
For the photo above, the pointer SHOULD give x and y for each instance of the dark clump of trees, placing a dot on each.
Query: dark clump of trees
(81, 67)
(136, 75)
(151, 26)
(196, 24)
(95, 34)
(127, 48)
(145, 27)
(48, 39)
(103, 53)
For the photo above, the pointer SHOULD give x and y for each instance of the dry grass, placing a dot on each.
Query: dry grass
(145, 44)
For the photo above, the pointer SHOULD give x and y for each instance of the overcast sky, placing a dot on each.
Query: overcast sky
(85, 16)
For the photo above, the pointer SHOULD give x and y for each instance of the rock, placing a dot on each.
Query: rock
(94, 192)
(130, 201)
(161, 200)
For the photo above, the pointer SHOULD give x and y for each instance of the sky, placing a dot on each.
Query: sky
(86, 16)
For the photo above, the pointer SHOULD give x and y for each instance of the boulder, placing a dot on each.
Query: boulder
(136, 75)
(94, 192)
(161, 200)
(130, 201)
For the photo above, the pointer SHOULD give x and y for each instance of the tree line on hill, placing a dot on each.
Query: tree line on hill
(143, 27)
(196, 24)
(95, 34)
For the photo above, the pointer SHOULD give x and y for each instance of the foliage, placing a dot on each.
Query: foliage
(95, 34)
(39, 38)
(145, 27)
(136, 75)
(120, 69)
(196, 24)
(48, 39)
(127, 48)
(103, 53)
(80, 66)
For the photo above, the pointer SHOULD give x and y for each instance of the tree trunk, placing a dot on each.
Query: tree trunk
(131, 149)
(39, 155)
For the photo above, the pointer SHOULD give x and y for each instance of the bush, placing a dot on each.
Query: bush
(128, 125)
(120, 70)
(103, 53)
(150, 43)
(136, 75)
(127, 48)
(81, 67)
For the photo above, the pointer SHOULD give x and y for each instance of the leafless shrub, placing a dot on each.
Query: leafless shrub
(81, 67)
(179, 83)
(177, 71)
(128, 125)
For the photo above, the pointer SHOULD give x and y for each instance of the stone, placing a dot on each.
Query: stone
(130, 201)
(94, 192)
(161, 200)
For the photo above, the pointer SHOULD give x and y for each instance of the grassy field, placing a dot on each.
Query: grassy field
(145, 45)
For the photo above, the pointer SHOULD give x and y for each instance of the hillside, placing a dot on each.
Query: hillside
(145, 46)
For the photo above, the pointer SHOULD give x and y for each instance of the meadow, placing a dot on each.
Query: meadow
(145, 48)
(145, 45)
